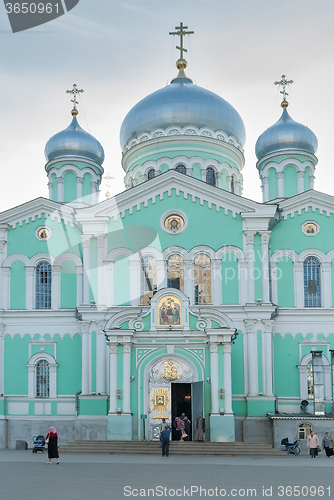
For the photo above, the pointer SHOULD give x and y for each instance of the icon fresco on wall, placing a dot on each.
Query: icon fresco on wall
(169, 311)
(310, 228)
(174, 223)
(160, 402)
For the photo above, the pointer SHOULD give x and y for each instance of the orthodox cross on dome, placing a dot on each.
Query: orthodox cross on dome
(75, 91)
(284, 82)
(181, 31)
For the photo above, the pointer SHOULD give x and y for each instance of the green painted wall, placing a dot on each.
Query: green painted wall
(230, 279)
(257, 267)
(142, 228)
(70, 187)
(286, 361)
(64, 238)
(93, 406)
(285, 282)
(54, 188)
(196, 172)
(273, 184)
(87, 189)
(69, 364)
(17, 285)
(15, 369)
(68, 285)
(122, 281)
(290, 181)
(164, 168)
(288, 233)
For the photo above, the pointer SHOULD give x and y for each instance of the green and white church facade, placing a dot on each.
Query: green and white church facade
(178, 294)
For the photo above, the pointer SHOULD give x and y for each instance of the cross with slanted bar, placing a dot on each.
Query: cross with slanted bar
(181, 31)
(75, 91)
(283, 82)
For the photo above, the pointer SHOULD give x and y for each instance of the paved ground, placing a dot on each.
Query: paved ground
(25, 476)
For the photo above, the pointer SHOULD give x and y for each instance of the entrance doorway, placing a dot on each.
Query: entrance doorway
(181, 403)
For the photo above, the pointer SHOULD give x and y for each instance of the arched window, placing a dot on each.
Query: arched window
(148, 279)
(151, 174)
(42, 379)
(312, 291)
(210, 176)
(43, 285)
(175, 272)
(232, 184)
(202, 279)
(310, 390)
(181, 168)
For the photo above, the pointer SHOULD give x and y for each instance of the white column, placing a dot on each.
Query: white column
(50, 186)
(5, 288)
(252, 360)
(312, 181)
(100, 360)
(161, 274)
(218, 177)
(189, 285)
(86, 242)
(79, 188)
(79, 285)
(101, 239)
(243, 268)
(250, 257)
(300, 181)
(265, 238)
(216, 282)
(55, 287)
(203, 173)
(2, 357)
(60, 181)
(30, 287)
(214, 378)
(2, 258)
(299, 284)
(126, 378)
(265, 185)
(113, 377)
(280, 184)
(326, 286)
(95, 193)
(267, 376)
(85, 357)
(227, 379)
(228, 179)
(135, 269)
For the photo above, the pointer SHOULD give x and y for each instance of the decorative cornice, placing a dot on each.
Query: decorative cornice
(178, 131)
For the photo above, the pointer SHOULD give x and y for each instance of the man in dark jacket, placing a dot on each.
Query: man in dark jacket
(164, 438)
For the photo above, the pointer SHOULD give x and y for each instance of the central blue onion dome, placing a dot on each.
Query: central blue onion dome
(182, 104)
(286, 134)
(74, 141)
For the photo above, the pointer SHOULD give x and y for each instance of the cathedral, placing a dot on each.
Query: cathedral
(178, 295)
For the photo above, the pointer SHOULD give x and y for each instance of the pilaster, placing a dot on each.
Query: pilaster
(214, 378)
(85, 362)
(216, 278)
(250, 258)
(299, 284)
(300, 181)
(60, 181)
(55, 287)
(252, 358)
(280, 184)
(30, 287)
(326, 288)
(86, 243)
(265, 238)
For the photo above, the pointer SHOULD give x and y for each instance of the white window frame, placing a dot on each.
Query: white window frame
(32, 365)
(303, 378)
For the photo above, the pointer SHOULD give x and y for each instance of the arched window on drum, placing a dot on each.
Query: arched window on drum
(202, 279)
(210, 176)
(175, 272)
(151, 174)
(181, 168)
(148, 279)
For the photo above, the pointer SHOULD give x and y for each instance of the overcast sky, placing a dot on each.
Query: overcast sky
(120, 51)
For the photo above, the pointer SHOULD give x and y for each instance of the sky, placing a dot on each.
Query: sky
(120, 51)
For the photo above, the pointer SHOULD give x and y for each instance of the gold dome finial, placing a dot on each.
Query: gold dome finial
(284, 82)
(181, 63)
(75, 91)
(284, 104)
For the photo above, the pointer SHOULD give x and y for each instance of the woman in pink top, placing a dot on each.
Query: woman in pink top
(313, 443)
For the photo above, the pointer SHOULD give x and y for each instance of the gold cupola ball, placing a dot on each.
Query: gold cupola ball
(284, 104)
(74, 112)
(181, 64)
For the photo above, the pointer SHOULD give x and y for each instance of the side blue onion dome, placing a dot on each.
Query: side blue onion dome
(181, 103)
(74, 141)
(286, 134)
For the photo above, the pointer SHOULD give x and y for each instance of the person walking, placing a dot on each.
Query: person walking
(328, 445)
(164, 439)
(313, 443)
(200, 428)
(52, 442)
(180, 428)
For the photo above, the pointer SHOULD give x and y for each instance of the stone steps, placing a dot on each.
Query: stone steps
(176, 448)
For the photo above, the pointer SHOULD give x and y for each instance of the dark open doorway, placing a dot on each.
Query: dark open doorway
(181, 403)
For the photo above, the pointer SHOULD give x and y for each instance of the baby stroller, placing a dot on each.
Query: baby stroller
(290, 448)
(38, 443)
